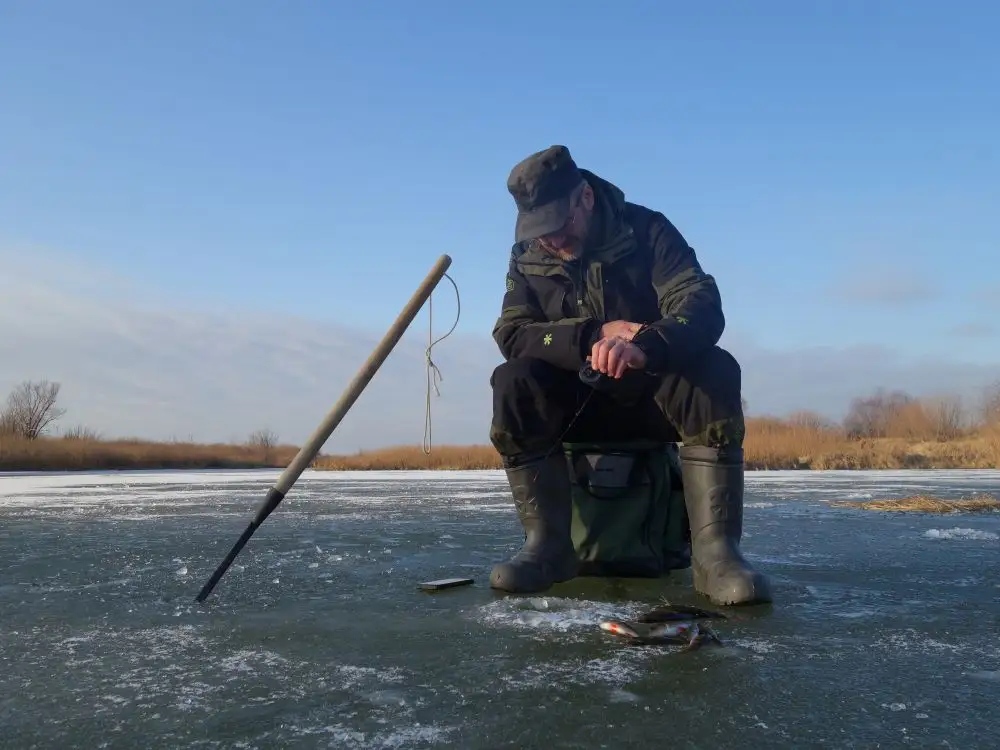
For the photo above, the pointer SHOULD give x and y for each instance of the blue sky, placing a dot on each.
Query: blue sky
(835, 165)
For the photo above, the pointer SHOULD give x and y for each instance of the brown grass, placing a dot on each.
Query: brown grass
(799, 442)
(442, 457)
(783, 444)
(795, 443)
(927, 504)
(74, 454)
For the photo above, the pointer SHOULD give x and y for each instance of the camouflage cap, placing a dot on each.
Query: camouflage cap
(541, 186)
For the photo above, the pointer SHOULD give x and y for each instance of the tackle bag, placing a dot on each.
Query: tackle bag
(629, 517)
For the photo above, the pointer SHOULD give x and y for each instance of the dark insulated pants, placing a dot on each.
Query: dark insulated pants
(536, 405)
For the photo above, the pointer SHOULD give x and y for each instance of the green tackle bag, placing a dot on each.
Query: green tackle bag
(629, 517)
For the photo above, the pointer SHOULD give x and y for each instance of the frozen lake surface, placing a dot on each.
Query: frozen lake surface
(885, 631)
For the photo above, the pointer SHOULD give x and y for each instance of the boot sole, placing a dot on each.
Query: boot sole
(759, 590)
(561, 577)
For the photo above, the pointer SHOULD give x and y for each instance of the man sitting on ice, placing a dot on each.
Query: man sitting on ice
(592, 275)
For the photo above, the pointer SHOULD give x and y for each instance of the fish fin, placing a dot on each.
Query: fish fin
(713, 636)
(694, 643)
(673, 612)
(699, 612)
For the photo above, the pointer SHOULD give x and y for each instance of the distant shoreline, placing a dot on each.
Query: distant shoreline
(28, 473)
(883, 431)
(801, 449)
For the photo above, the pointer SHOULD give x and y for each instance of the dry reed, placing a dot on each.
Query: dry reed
(927, 504)
(73, 454)
(441, 457)
(797, 443)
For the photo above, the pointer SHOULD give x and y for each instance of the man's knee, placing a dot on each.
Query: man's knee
(529, 405)
(723, 368)
(520, 376)
(705, 400)
(716, 374)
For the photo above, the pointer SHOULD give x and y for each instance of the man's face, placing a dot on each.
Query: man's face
(567, 243)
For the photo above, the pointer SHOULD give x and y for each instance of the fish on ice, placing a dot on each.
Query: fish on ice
(666, 624)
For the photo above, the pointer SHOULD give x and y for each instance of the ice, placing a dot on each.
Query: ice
(318, 634)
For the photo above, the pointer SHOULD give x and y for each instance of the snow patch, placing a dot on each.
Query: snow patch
(960, 533)
(552, 613)
(621, 668)
(339, 735)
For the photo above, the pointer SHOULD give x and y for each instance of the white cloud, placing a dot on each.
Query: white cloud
(826, 379)
(990, 295)
(889, 287)
(142, 369)
(129, 364)
(979, 330)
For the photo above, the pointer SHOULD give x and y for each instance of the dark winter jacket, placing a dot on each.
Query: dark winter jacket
(638, 268)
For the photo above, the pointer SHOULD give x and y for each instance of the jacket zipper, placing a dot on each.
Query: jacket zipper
(578, 287)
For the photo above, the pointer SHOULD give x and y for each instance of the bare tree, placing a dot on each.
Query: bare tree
(945, 415)
(31, 408)
(264, 440)
(874, 416)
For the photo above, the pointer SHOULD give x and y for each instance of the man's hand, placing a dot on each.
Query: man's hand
(620, 329)
(613, 356)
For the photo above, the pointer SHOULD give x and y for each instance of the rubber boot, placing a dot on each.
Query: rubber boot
(713, 494)
(541, 491)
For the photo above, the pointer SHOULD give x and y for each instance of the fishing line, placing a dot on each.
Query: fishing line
(579, 411)
(433, 373)
(434, 376)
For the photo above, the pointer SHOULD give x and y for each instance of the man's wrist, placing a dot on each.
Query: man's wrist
(643, 363)
(653, 347)
(591, 335)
